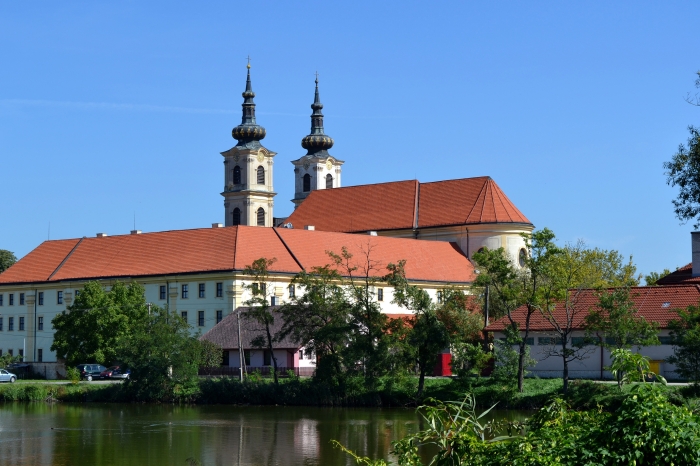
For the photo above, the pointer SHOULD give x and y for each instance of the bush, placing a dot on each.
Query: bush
(73, 375)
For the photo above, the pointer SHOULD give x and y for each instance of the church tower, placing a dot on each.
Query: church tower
(317, 169)
(248, 189)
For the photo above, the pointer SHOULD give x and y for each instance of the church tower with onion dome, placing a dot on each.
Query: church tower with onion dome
(248, 188)
(317, 169)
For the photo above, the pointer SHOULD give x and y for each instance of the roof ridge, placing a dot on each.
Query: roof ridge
(289, 250)
(65, 259)
(483, 206)
(475, 204)
(497, 193)
(458, 179)
(416, 206)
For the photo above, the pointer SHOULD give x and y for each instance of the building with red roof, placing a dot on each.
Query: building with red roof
(653, 303)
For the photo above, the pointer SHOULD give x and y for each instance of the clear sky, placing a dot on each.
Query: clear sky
(110, 110)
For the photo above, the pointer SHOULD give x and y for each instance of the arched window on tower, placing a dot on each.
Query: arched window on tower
(236, 175)
(307, 183)
(261, 175)
(261, 217)
(236, 216)
(329, 181)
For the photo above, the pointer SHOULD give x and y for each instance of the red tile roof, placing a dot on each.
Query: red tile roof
(407, 204)
(684, 275)
(227, 249)
(654, 303)
(425, 260)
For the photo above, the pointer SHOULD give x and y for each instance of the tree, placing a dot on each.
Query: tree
(616, 322)
(259, 308)
(164, 358)
(511, 288)
(684, 171)
(427, 335)
(317, 318)
(685, 337)
(98, 322)
(654, 277)
(7, 258)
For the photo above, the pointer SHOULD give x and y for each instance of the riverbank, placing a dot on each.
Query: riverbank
(388, 392)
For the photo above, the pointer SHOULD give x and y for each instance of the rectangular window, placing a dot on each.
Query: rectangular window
(1, 296)
(200, 318)
(12, 299)
(183, 314)
(41, 298)
(201, 290)
(292, 291)
(246, 357)
(40, 355)
(21, 324)
(439, 296)
(21, 299)
(59, 297)
(219, 290)
(224, 358)
(1, 319)
(10, 324)
(380, 294)
(580, 342)
(267, 358)
(548, 341)
(21, 354)
(185, 292)
(77, 292)
(219, 316)
(162, 292)
(40, 323)
(273, 300)
(0, 353)
(10, 352)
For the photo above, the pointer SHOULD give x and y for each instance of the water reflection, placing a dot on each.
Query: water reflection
(113, 434)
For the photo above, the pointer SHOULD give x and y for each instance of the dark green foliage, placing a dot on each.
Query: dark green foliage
(653, 277)
(685, 337)
(7, 258)
(684, 171)
(97, 323)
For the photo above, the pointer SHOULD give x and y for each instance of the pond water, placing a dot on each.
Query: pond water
(124, 434)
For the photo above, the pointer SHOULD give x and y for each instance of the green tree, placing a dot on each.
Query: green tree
(317, 318)
(683, 170)
(7, 258)
(96, 325)
(685, 337)
(427, 335)
(164, 358)
(259, 308)
(530, 287)
(654, 277)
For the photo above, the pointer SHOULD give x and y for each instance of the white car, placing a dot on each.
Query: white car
(7, 376)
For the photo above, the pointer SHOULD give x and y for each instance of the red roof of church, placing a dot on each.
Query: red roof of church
(407, 205)
(683, 275)
(228, 249)
(654, 303)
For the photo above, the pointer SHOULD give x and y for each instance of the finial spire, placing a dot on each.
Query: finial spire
(248, 133)
(317, 143)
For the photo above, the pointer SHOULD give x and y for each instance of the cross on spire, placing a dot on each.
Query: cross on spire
(316, 77)
(248, 61)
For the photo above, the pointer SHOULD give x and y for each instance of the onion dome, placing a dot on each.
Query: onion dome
(317, 143)
(248, 131)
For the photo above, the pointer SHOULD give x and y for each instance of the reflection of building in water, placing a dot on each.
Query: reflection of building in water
(306, 437)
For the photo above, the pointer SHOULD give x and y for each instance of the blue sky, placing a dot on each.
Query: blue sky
(115, 109)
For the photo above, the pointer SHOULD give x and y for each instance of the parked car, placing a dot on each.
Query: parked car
(115, 372)
(90, 371)
(6, 376)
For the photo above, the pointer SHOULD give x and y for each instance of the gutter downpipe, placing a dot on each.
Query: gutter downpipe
(240, 346)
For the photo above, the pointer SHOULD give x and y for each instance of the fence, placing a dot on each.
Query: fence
(265, 371)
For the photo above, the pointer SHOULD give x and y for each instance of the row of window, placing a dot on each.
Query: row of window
(237, 175)
(185, 291)
(578, 341)
(11, 323)
(307, 182)
(200, 317)
(40, 298)
(20, 352)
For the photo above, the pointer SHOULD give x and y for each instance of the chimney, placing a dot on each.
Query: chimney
(217, 225)
(135, 232)
(695, 235)
(102, 235)
(309, 227)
